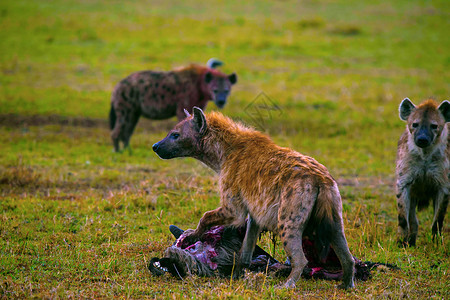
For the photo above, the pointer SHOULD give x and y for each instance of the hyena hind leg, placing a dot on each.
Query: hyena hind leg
(291, 224)
(292, 243)
(340, 246)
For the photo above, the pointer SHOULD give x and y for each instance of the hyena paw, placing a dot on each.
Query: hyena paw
(404, 243)
(238, 271)
(346, 286)
(289, 284)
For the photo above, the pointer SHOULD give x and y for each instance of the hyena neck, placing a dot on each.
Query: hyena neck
(225, 137)
(211, 155)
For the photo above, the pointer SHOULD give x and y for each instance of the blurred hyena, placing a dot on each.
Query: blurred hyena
(279, 189)
(162, 95)
(422, 166)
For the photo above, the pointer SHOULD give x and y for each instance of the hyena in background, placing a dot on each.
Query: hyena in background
(162, 95)
(422, 166)
(279, 189)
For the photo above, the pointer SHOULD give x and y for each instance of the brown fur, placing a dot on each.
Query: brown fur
(422, 166)
(279, 189)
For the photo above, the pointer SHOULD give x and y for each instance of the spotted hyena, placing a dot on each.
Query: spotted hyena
(162, 95)
(422, 166)
(279, 189)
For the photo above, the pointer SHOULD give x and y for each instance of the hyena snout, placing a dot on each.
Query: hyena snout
(155, 147)
(423, 138)
(162, 151)
(220, 99)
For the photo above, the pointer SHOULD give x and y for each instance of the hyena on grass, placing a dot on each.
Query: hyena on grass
(162, 95)
(280, 190)
(422, 166)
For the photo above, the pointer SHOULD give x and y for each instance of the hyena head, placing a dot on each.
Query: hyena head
(184, 139)
(219, 87)
(425, 121)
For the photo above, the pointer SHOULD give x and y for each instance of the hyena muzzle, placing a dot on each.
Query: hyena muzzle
(280, 190)
(422, 166)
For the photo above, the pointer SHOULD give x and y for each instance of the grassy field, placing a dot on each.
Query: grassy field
(79, 221)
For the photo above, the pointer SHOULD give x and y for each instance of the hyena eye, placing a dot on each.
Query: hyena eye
(433, 126)
(174, 135)
(415, 125)
(216, 91)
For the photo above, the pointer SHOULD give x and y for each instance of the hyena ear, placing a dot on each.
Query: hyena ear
(406, 108)
(199, 121)
(444, 108)
(232, 78)
(208, 77)
(187, 113)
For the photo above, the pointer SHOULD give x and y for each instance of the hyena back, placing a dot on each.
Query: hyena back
(280, 190)
(422, 166)
(162, 95)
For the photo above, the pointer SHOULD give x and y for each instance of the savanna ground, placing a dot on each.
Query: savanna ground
(78, 220)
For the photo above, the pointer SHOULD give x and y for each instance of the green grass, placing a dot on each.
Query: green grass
(78, 220)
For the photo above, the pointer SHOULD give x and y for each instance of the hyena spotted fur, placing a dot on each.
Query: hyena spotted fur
(422, 166)
(279, 189)
(162, 95)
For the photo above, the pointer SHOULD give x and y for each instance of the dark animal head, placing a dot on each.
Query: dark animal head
(218, 86)
(425, 121)
(184, 139)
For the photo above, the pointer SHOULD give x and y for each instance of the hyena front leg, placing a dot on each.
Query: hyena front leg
(218, 216)
(440, 209)
(403, 208)
(248, 246)
(413, 221)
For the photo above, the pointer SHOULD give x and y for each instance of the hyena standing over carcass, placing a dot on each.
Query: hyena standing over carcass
(422, 166)
(162, 95)
(280, 190)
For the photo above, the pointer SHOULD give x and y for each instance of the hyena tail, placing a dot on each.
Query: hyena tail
(112, 118)
(325, 218)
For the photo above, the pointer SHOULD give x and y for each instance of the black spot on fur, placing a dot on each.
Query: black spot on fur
(299, 176)
(123, 96)
(289, 192)
(286, 176)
